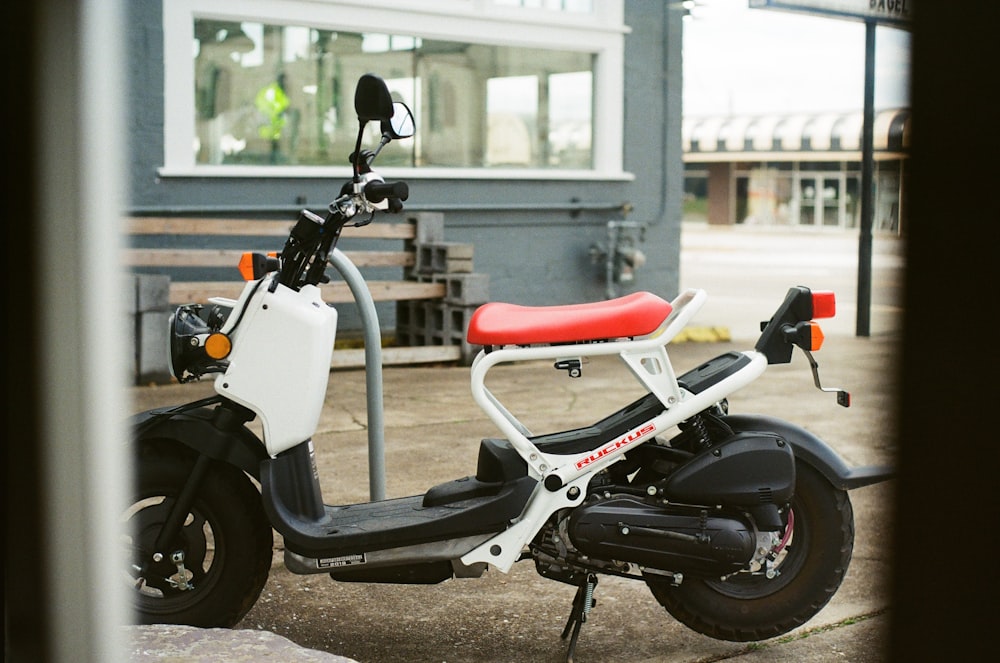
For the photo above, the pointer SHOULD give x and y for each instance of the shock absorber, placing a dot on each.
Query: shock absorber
(700, 439)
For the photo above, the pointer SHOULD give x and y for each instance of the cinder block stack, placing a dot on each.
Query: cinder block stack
(149, 313)
(443, 321)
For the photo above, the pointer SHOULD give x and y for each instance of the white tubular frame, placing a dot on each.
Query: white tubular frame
(647, 359)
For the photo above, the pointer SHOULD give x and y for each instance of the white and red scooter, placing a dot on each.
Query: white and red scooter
(740, 525)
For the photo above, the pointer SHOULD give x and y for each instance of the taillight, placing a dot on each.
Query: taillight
(824, 304)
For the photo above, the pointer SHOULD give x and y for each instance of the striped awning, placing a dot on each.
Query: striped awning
(819, 136)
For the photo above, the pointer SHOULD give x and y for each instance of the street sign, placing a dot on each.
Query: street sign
(895, 13)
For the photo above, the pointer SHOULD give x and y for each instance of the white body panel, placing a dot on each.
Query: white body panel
(280, 363)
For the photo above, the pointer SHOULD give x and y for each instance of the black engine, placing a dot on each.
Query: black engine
(692, 512)
(682, 539)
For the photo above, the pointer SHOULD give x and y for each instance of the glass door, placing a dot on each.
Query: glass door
(821, 200)
(831, 202)
(807, 201)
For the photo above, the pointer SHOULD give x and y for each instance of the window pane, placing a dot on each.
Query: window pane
(283, 95)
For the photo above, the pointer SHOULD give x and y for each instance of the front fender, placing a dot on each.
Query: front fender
(200, 429)
(813, 451)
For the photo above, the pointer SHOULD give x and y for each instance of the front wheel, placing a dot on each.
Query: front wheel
(750, 606)
(213, 572)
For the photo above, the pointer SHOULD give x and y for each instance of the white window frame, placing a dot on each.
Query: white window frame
(601, 32)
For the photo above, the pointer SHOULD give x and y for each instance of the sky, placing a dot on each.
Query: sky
(739, 60)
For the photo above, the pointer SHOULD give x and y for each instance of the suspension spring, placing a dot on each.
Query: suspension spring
(700, 430)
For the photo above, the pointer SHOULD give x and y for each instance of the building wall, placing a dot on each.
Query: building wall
(533, 255)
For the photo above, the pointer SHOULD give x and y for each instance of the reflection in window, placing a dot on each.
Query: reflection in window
(284, 95)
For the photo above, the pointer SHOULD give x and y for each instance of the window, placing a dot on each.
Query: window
(270, 91)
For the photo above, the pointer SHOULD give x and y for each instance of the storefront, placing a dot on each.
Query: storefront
(801, 170)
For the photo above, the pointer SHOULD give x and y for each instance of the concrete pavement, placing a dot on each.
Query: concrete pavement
(432, 429)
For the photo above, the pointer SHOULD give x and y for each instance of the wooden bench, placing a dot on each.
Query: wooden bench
(416, 229)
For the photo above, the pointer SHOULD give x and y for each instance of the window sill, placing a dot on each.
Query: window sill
(331, 172)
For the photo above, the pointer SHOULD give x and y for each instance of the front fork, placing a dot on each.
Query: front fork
(169, 537)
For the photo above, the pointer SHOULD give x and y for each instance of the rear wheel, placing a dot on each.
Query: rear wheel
(750, 606)
(212, 574)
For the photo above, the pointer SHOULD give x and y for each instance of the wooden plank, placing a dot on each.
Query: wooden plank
(169, 225)
(395, 356)
(183, 257)
(334, 293)
(382, 258)
(231, 258)
(156, 225)
(386, 291)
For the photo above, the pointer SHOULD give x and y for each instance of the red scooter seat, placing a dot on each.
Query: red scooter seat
(637, 314)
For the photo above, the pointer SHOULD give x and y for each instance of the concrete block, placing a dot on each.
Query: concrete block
(429, 227)
(152, 292)
(444, 258)
(148, 315)
(435, 323)
(412, 320)
(152, 350)
(129, 287)
(464, 289)
(452, 257)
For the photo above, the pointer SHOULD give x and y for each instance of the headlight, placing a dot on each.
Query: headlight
(197, 346)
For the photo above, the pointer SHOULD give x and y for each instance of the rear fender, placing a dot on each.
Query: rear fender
(201, 430)
(813, 451)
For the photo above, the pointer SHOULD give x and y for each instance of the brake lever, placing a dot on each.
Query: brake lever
(363, 222)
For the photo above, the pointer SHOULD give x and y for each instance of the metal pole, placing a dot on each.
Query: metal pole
(867, 188)
(373, 372)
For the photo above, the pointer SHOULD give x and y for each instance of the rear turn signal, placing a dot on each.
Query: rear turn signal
(816, 337)
(806, 335)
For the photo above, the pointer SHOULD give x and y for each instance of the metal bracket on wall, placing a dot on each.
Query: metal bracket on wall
(622, 255)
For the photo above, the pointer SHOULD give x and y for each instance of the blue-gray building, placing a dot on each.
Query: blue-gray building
(538, 122)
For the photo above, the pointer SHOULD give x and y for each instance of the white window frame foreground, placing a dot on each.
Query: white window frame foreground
(600, 32)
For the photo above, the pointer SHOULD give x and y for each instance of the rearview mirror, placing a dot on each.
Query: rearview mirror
(372, 100)
(401, 124)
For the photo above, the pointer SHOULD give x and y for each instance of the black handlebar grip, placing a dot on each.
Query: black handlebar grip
(376, 192)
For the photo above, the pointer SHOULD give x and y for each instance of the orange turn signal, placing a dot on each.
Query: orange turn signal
(806, 334)
(218, 345)
(255, 265)
(815, 335)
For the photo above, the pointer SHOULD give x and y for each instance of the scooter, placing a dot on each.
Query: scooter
(740, 525)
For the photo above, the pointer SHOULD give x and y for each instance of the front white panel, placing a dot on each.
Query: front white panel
(280, 363)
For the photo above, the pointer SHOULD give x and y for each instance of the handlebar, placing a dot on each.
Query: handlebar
(311, 241)
(376, 191)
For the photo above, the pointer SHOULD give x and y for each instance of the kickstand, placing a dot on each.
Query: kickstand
(582, 604)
